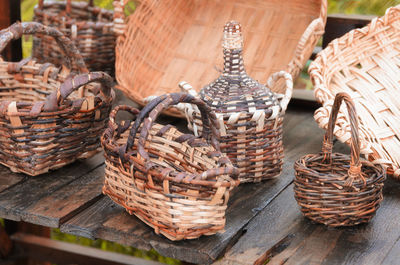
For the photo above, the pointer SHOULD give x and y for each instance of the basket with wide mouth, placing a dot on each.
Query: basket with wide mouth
(49, 118)
(176, 183)
(90, 28)
(337, 189)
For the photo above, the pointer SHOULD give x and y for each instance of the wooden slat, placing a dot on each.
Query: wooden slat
(64, 203)
(280, 234)
(106, 220)
(47, 250)
(8, 178)
(14, 200)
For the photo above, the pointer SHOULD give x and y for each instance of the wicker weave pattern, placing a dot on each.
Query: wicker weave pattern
(44, 123)
(90, 28)
(365, 64)
(176, 183)
(164, 42)
(250, 115)
(335, 189)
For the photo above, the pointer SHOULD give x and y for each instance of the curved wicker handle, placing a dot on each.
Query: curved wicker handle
(355, 164)
(67, 6)
(56, 97)
(16, 30)
(289, 87)
(155, 108)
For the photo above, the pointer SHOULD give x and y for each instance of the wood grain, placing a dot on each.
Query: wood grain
(14, 200)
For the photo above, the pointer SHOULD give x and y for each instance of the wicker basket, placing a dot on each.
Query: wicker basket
(364, 64)
(176, 183)
(46, 124)
(337, 189)
(90, 28)
(164, 42)
(250, 115)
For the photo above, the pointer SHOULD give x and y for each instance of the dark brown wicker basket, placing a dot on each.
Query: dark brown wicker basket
(89, 27)
(44, 122)
(176, 183)
(337, 189)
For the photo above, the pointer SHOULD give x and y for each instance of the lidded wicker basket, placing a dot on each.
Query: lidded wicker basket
(90, 28)
(250, 115)
(333, 188)
(164, 42)
(45, 122)
(176, 183)
(365, 64)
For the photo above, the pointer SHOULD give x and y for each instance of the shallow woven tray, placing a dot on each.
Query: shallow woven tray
(365, 63)
(165, 42)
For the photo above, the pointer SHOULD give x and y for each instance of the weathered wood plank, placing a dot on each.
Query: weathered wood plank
(69, 200)
(8, 178)
(280, 234)
(14, 200)
(108, 221)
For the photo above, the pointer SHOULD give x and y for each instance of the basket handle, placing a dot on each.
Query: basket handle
(112, 125)
(67, 6)
(355, 164)
(289, 87)
(16, 30)
(71, 84)
(157, 106)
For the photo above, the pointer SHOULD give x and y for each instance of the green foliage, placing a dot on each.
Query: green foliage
(2, 222)
(366, 7)
(113, 247)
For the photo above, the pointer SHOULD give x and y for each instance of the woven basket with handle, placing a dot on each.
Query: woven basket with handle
(164, 42)
(337, 189)
(249, 113)
(365, 64)
(90, 28)
(176, 183)
(49, 118)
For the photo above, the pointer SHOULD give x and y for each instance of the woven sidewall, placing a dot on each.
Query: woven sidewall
(34, 141)
(256, 152)
(90, 29)
(153, 57)
(324, 198)
(176, 208)
(364, 63)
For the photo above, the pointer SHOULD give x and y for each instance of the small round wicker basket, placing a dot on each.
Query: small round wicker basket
(336, 189)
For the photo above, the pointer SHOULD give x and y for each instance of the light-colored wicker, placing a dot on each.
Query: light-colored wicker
(365, 64)
(176, 183)
(337, 189)
(250, 115)
(90, 28)
(164, 42)
(44, 123)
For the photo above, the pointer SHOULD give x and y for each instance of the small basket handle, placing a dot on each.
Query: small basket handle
(16, 30)
(355, 164)
(113, 125)
(67, 6)
(71, 84)
(157, 106)
(289, 87)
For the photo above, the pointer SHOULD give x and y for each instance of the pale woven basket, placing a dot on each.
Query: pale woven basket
(164, 42)
(365, 63)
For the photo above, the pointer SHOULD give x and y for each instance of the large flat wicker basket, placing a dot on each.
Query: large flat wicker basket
(176, 183)
(365, 64)
(49, 118)
(90, 28)
(164, 42)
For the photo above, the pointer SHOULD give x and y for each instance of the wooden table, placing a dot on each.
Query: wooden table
(263, 220)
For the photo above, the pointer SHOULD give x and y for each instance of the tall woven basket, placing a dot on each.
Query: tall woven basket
(48, 117)
(89, 27)
(164, 42)
(365, 64)
(337, 189)
(250, 114)
(176, 183)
